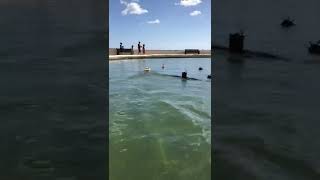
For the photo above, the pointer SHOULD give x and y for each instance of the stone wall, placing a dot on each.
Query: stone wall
(112, 51)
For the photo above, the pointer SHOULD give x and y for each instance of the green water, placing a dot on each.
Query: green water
(160, 126)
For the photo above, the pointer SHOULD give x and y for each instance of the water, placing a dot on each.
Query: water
(261, 22)
(266, 110)
(160, 126)
(53, 95)
(266, 119)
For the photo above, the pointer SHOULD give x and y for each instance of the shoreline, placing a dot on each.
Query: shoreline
(144, 56)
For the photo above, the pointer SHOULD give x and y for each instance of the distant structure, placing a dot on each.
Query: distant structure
(191, 51)
(286, 23)
(122, 50)
(236, 41)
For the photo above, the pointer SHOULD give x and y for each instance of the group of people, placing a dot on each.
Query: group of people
(139, 48)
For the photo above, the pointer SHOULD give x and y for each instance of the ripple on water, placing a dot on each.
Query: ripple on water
(199, 118)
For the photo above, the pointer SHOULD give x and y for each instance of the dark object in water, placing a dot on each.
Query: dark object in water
(314, 48)
(209, 76)
(287, 23)
(162, 66)
(184, 78)
(236, 41)
(184, 75)
(200, 69)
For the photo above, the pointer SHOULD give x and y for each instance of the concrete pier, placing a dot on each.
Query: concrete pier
(160, 54)
(120, 57)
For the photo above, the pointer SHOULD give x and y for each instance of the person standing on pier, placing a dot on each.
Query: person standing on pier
(143, 49)
(139, 48)
(132, 52)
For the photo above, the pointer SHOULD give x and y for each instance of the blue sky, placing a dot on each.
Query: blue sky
(160, 24)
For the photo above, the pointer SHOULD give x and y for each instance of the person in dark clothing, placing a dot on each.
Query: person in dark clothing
(121, 47)
(143, 49)
(132, 52)
(139, 48)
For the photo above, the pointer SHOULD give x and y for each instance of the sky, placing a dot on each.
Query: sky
(160, 24)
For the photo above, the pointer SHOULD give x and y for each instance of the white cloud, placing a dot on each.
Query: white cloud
(123, 2)
(187, 3)
(157, 21)
(195, 13)
(132, 8)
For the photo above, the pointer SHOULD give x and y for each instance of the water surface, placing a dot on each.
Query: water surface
(53, 97)
(160, 126)
(266, 110)
(266, 119)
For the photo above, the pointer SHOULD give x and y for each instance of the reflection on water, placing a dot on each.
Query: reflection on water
(160, 126)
